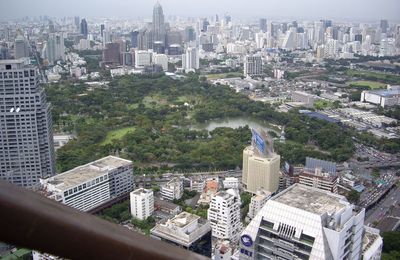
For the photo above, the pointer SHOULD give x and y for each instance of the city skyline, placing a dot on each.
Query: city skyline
(305, 9)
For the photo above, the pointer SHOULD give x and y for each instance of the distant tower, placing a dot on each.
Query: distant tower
(26, 132)
(20, 47)
(158, 23)
(384, 26)
(102, 27)
(263, 24)
(84, 28)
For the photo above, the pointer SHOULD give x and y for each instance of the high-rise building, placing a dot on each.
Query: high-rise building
(4, 52)
(172, 190)
(26, 131)
(187, 231)
(102, 28)
(134, 39)
(224, 215)
(263, 24)
(384, 26)
(111, 54)
(253, 65)
(142, 203)
(54, 48)
(190, 60)
(190, 34)
(158, 23)
(320, 174)
(260, 165)
(77, 22)
(20, 47)
(84, 28)
(91, 185)
(307, 223)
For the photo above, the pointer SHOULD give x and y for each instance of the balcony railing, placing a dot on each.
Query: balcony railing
(28, 219)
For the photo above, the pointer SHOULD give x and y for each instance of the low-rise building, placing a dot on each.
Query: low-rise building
(172, 190)
(231, 183)
(383, 98)
(320, 174)
(186, 230)
(257, 202)
(142, 203)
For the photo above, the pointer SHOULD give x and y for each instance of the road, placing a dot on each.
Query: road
(380, 210)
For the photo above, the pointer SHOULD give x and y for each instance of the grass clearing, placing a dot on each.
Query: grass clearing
(154, 101)
(224, 75)
(117, 134)
(370, 84)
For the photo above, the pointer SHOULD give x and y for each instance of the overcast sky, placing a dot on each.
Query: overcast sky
(344, 9)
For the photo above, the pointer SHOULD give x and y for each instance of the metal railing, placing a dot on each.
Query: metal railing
(28, 219)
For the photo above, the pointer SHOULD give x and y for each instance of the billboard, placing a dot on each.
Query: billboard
(258, 141)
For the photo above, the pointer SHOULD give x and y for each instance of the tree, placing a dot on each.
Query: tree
(353, 196)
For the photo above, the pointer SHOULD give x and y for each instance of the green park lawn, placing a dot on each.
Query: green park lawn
(117, 134)
(371, 84)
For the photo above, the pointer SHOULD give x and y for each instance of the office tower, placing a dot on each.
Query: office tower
(84, 28)
(227, 19)
(4, 52)
(52, 29)
(20, 47)
(172, 190)
(384, 26)
(358, 37)
(142, 59)
(224, 215)
(54, 48)
(290, 40)
(102, 27)
(190, 34)
(263, 24)
(111, 54)
(26, 133)
(260, 165)
(190, 60)
(173, 37)
(91, 185)
(320, 174)
(134, 39)
(319, 37)
(204, 25)
(253, 65)
(187, 231)
(162, 60)
(306, 223)
(142, 203)
(158, 23)
(106, 38)
(77, 23)
(145, 39)
(284, 27)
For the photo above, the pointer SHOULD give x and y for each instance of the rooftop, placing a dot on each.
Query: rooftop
(81, 174)
(184, 219)
(141, 191)
(311, 199)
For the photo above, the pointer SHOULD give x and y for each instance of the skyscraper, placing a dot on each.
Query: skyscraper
(54, 48)
(26, 137)
(158, 23)
(263, 24)
(84, 28)
(384, 26)
(20, 47)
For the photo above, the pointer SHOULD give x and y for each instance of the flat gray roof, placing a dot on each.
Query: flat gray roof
(84, 173)
(310, 199)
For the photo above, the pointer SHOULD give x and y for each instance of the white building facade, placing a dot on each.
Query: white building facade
(224, 215)
(142, 203)
(172, 190)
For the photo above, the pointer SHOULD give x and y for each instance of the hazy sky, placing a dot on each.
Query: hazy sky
(347, 9)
